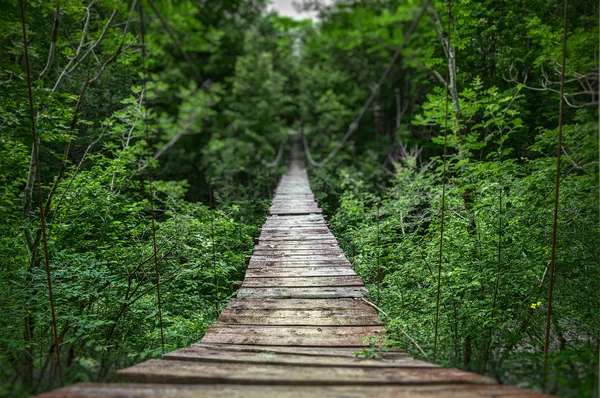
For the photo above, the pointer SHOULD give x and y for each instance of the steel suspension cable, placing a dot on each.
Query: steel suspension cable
(150, 177)
(556, 195)
(36, 161)
(275, 162)
(354, 125)
(443, 204)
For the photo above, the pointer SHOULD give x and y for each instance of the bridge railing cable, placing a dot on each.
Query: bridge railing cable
(354, 125)
(277, 159)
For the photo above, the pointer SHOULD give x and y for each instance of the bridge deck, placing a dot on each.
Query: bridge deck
(299, 317)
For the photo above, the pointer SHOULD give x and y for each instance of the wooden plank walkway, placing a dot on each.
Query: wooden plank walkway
(293, 330)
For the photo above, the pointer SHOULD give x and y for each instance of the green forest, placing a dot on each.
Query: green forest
(430, 133)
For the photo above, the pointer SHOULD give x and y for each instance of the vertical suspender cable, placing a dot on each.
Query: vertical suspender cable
(36, 159)
(150, 193)
(443, 209)
(556, 195)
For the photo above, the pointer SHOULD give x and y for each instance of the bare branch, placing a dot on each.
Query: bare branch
(54, 37)
(75, 61)
(182, 132)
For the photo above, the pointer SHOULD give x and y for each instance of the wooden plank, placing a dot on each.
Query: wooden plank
(314, 336)
(292, 219)
(296, 262)
(259, 251)
(348, 352)
(298, 271)
(200, 354)
(300, 259)
(298, 317)
(295, 231)
(295, 226)
(298, 234)
(295, 211)
(184, 372)
(317, 229)
(296, 222)
(298, 245)
(303, 251)
(326, 281)
(293, 200)
(292, 257)
(303, 292)
(302, 217)
(302, 304)
(145, 390)
(299, 239)
(260, 263)
(317, 245)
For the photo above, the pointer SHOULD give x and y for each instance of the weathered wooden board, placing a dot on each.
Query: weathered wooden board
(302, 304)
(318, 281)
(298, 317)
(297, 264)
(314, 336)
(299, 232)
(296, 211)
(291, 204)
(259, 251)
(200, 354)
(299, 257)
(348, 352)
(298, 239)
(296, 246)
(298, 271)
(296, 235)
(293, 200)
(300, 223)
(295, 224)
(295, 218)
(303, 292)
(295, 228)
(273, 391)
(310, 248)
(182, 372)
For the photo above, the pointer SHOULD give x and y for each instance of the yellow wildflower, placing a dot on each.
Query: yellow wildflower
(535, 305)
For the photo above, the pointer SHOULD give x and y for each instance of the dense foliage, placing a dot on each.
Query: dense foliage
(198, 104)
(108, 120)
(384, 188)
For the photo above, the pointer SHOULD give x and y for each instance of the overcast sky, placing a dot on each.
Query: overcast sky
(285, 7)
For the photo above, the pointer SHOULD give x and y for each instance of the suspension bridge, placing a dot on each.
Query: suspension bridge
(300, 317)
